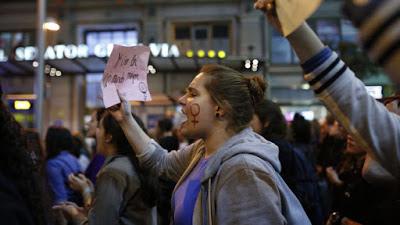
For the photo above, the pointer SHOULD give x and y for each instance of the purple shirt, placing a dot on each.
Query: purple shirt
(185, 196)
(94, 167)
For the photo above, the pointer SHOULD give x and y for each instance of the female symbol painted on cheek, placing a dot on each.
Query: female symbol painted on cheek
(195, 111)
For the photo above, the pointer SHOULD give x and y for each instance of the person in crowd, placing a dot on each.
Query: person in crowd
(357, 200)
(168, 141)
(301, 136)
(21, 193)
(60, 163)
(35, 149)
(330, 152)
(80, 151)
(230, 175)
(98, 159)
(337, 87)
(332, 146)
(349, 190)
(165, 137)
(297, 171)
(124, 194)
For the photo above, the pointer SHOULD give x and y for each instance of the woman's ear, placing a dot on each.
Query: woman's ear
(219, 112)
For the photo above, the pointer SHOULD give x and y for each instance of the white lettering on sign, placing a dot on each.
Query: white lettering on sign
(83, 51)
(174, 51)
(163, 50)
(100, 51)
(59, 51)
(71, 52)
(30, 53)
(19, 53)
(49, 53)
(3, 58)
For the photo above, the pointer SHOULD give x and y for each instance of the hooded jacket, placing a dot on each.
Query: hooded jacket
(241, 183)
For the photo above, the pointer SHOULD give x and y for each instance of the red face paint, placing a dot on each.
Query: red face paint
(194, 111)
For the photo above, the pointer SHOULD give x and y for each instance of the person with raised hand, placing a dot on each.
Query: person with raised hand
(336, 86)
(124, 194)
(230, 175)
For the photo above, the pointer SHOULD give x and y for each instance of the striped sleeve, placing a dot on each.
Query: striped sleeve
(375, 128)
(380, 33)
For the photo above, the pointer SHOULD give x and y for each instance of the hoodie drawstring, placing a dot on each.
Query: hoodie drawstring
(210, 221)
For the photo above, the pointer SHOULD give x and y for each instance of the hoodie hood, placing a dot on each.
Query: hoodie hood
(244, 142)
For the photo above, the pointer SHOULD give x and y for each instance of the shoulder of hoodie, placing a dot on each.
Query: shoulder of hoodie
(119, 168)
(245, 160)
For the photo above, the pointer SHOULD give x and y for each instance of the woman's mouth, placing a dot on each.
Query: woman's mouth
(184, 117)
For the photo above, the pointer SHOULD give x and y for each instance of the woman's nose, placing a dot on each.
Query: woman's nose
(182, 100)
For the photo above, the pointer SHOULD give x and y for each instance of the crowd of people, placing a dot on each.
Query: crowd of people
(234, 159)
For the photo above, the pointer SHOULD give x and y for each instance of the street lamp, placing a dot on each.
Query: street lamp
(51, 24)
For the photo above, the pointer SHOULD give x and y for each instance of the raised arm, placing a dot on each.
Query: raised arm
(137, 138)
(150, 154)
(372, 126)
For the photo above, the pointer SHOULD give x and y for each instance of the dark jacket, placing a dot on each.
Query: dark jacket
(13, 209)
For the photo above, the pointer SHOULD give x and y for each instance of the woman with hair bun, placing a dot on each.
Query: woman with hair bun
(226, 176)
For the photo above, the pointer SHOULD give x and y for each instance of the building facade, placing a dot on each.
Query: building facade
(183, 35)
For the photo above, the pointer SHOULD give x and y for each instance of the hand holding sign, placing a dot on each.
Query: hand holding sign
(287, 15)
(126, 71)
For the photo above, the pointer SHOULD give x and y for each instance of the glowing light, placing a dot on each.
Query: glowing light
(247, 65)
(201, 53)
(305, 86)
(58, 73)
(221, 54)
(254, 68)
(53, 72)
(22, 105)
(152, 70)
(255, 61)
(189, 54)
(51, 24)
(35, 64)
(211, 53)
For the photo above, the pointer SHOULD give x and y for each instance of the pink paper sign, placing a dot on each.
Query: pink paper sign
(126, 71)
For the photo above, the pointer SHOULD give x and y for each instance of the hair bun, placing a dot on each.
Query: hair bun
(256, 86)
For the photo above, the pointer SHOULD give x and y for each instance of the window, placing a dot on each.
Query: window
(349, 33)
(119, 36)
(93, 89)
(281, 51)
(220, 37)
(182, 33)
(11, 40)
(203, 36)
(330, 31)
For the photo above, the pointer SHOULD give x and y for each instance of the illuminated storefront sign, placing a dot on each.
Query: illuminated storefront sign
(22, 105)
(82, 51)
(71, 51)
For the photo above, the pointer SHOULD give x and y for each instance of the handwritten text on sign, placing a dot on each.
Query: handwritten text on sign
(126, 71)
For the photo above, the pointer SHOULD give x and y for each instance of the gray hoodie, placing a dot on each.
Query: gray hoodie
(241, 183)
